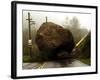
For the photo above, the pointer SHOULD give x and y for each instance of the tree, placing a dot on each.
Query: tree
(74, 26)
(66, 23)
(74, 22)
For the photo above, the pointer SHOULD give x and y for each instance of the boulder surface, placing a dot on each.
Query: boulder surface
(53, 39)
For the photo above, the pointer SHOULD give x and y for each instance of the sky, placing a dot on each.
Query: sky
(56, 17)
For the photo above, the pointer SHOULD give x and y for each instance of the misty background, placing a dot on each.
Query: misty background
(78, 24)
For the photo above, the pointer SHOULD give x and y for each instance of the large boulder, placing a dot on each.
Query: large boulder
(53, 40)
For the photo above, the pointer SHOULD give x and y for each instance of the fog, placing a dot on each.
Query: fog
(78, 23)
(58, 18)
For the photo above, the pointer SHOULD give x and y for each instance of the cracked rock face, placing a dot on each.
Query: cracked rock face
(54, 38)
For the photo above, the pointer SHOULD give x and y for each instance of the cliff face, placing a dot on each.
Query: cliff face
(53, 39)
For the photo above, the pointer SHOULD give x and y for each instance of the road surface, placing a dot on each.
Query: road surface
(53, 64)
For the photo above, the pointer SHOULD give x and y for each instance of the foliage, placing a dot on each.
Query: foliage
(86, 61)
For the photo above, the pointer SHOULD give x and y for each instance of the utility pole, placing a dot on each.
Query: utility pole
(30, 39)
(46, 19)
(34, 31)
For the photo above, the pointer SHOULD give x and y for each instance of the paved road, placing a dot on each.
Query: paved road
(77, 63)
(54, 64)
